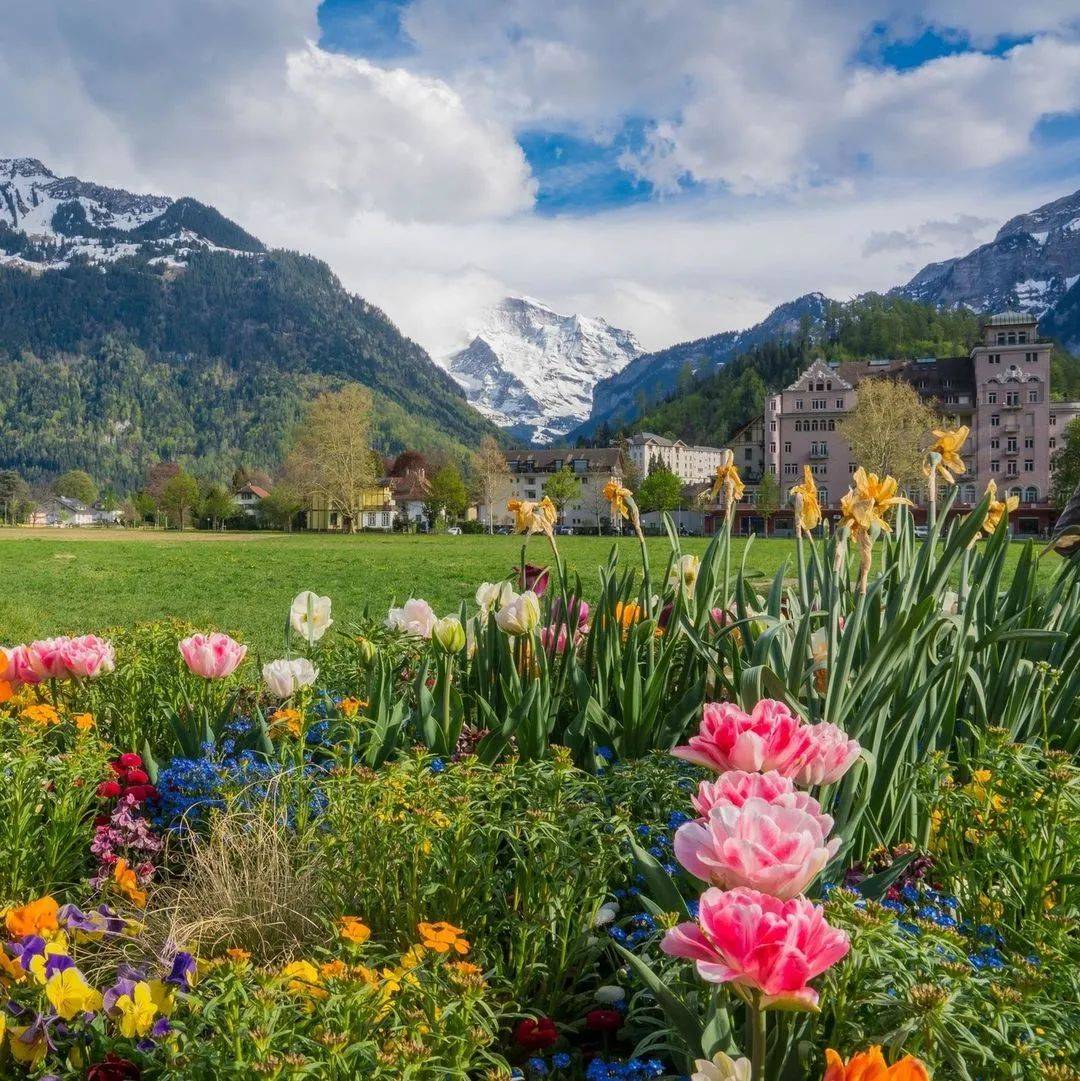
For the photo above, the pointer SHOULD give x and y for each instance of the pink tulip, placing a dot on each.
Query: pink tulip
(761, 943)
(830, 755)
(736, 787)
(771, 737)
(20, 669)
(554, 640)
(212, 656)
(44, 659)
(88, 657)
(779, 850)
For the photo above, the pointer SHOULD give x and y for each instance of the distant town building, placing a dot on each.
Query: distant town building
(689, 463)
(247, 499)
(391, 503)
(59, 510)
(1001, 391)
(529, 469)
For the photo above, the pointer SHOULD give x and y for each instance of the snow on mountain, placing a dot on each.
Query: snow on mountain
(533, 371)
(46, 220)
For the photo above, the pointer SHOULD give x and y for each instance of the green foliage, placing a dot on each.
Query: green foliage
(15, 501)
(448, 494)
(1065, 465)
(76, 484)
(562, 488)
(110, 369)
(178, 498)
(661, 490)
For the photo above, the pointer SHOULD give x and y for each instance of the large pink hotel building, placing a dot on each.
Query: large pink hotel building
(1001, 391)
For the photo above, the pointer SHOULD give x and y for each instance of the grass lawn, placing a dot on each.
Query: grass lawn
(75, 581)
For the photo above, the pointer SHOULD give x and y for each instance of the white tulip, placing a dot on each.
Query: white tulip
(605, 914)
(284, 677)
(493, 595)
(684, 572)
(520, 615)
(310, 616)
(450, 634)
(721, 1068)
(413, 617)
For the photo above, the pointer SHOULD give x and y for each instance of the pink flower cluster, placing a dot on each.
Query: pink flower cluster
(759, 842)
(84, 657)
(212, 656)
(125, 833)
(770, 737)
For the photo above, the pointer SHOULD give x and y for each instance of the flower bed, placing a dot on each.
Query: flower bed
(699, 826)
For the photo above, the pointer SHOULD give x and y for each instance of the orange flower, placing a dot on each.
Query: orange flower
(350, 707)
(40, 714)
(11, 971)
(6, 692)
(334, 970)
(126, 879)
(870, 1066)
(443, 937)
(285, 722)
(353, 929)
(84, 721)
(237, 955)
(36, 918)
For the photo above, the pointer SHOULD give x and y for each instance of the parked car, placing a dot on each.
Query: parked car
(454, 531)
(564, 530)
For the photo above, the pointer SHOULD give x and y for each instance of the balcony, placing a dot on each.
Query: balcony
(1013, 406)
(818, 455)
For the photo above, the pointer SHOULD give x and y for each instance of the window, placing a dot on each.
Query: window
(995, 420)
(1010, 469)
(772, 467)
(832, 425)
(798, 403)
(1022, 337)
(1053, 419)
(839, 403)
(1053, 442)
(1031, 494)
(1029, 465)
(828, 385)
(819, 403)
(1029, 442)
(1012, 397)
(968, 495)
(995, 444)
(772, 447)
(772, 425)
(851, 467)
(823, 496)
(1033, 395)
(1000, 338)
(995, 466)
(991, 398)
(772, 405)
(787, 446)
(1010, 444)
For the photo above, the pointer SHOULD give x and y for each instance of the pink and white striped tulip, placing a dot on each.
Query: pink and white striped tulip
(829, 756)
(736, 786)
(212, 656)
(761, 943)
(88, 657)
(770, 737)
(777, 849)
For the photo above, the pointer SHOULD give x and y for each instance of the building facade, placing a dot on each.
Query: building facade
(530, 469)
(691, 464)
(1001, 391)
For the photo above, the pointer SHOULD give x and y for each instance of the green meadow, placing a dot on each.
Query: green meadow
(73, 581)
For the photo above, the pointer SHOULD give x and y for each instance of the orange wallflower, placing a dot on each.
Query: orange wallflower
(6, 691)
(84, 721)
(334, 970)
(11, 971)
(350, 707)
(40, 714)
(870, 1066)
(126, 879)
(285, 722)
(36, 918)
(353, 929)
(443, 937)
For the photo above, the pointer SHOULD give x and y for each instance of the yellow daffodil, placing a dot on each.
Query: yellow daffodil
(998, 508)
(136, 1012)
(532, 517)
(807, 507)
(869, 501)
(947, 445)
(728, 482)
(70, 994)
(617, 496)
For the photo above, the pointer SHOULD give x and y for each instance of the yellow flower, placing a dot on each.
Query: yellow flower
(27, 1044)
(443, 937)
(333, 970)
(617, 496)
(285, 722)
(354, 930)
(808, 509)
(684, 572)
(997, 509)
(137, 1011)
(303, 979)
(727, 479)
(11, 971)
(947, 444)
(56, 947)
(867, 504)
(350, 707)
(394, 979)
(237, 956)
(128, 883)
(40, 714)
(70, 994)
(532, 517)
(84, 721)
(413, 957)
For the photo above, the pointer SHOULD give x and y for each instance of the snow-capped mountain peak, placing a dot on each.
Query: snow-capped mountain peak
(532, 370)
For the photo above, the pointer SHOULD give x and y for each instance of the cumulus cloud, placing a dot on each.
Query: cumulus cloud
(960, 233)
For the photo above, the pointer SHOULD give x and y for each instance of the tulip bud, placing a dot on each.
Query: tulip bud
(450, 634)
(366, 648)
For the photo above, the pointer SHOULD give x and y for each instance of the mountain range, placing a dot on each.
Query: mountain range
(532, 371)
(135, 328)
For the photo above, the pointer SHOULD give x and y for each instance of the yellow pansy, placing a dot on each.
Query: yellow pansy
(70, 994)
(137, 1011)
(807, 507)
(27, 1044)
(947, 445)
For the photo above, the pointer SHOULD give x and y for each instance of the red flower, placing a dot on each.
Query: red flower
(113, 1068)
(535, 578)
(108, 789)
(603, 1020)
(142, 792)
(137, 776)
(534, 1034)
(130, 760)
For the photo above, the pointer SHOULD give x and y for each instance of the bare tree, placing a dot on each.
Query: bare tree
(331, 460)
(491, 473)
(887, 430)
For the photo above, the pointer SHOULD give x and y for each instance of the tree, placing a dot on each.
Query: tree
(76, 484)
(447, 494)
(331, 460)
(661, 490)
(490, 472)
(887, 429)
(15, 502)
(410, 461)
(562, 488)
(280, 506)
(179, 496)
(768, 497)
(217, 505)
(1065, 466)
(145, 506)
(158, 475)
(242, 475)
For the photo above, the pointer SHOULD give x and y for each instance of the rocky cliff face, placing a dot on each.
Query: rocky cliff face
(532, 370)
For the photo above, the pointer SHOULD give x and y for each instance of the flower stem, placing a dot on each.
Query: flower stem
(757, 1046)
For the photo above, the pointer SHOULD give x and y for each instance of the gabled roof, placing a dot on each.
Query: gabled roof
(255, 490)
(820, 370)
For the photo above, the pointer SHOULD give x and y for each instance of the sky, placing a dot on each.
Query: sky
(678, 167)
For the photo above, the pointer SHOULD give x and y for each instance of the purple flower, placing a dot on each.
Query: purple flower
(182, 973)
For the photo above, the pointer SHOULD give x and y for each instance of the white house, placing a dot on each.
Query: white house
(59, 511)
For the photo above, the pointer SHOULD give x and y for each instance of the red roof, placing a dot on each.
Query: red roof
(255, 490)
